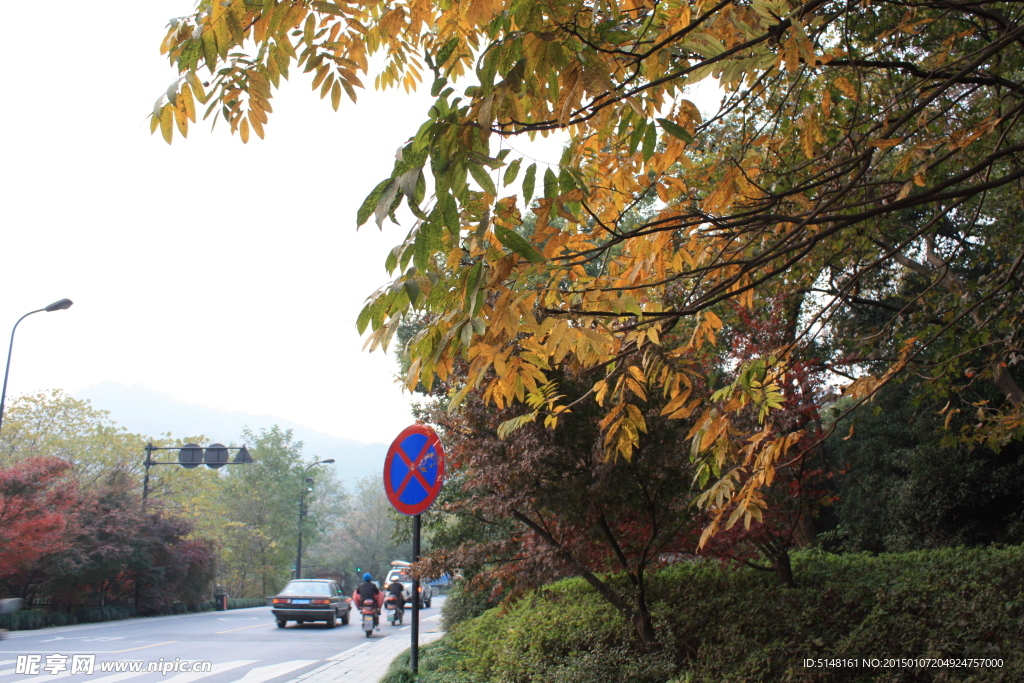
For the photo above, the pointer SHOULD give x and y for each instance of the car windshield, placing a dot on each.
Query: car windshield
(306, 588)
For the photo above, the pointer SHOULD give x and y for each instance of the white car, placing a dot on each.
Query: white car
(399, 574)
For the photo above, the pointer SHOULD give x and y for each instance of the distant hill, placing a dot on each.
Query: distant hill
(144, 411)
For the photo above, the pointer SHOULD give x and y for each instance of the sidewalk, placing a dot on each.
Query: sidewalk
(367, 663)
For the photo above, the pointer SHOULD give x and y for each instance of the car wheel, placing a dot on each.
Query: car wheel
(428, 602)
(332, 621)
(344, 619)
(281, 623)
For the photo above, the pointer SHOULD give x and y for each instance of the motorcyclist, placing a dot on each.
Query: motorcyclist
(398, 590)
(368, 590)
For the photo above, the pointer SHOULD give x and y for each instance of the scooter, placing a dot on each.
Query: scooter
(369, 612)
(394, 609)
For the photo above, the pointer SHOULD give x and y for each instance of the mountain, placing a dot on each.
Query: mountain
(144, 411)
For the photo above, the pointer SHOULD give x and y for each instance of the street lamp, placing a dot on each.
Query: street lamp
(302, 512)
(55, 306)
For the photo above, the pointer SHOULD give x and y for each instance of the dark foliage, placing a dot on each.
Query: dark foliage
(902, 484)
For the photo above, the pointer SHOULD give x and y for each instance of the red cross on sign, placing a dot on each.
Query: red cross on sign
(414, 470)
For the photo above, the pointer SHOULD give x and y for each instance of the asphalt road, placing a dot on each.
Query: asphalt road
(243, 646)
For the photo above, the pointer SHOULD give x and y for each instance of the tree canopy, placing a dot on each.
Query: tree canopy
(862, 173)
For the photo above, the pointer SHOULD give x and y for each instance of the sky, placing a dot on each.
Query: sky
(223, 274)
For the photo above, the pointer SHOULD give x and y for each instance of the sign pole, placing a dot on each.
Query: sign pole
(413, 475)
(415, 651)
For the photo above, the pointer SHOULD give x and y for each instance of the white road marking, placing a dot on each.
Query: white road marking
(265, 673)
(121, 677)
(217, 668)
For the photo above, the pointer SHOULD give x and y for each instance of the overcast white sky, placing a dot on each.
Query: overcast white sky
(224, 274)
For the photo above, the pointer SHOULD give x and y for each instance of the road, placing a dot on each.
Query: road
(243, 646)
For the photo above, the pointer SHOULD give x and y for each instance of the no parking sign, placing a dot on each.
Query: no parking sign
(414, 469)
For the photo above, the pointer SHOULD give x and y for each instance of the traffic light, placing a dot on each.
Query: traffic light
(358, 570)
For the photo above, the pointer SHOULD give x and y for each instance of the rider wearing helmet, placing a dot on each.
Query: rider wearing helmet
(368, 590)
(398, 591)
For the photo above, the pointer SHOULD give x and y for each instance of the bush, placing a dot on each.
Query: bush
(35, 618)
(88, 615)
(25, 620)
(436, 665)
(723, 624)
(462, 603)
(243, 603)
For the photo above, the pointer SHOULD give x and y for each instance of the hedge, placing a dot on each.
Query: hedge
(717, 624)
(30, 619)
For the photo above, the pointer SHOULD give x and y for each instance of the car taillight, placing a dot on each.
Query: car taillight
(281, 601)
(321, 602)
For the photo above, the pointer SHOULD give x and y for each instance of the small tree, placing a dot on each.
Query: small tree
(36, 506)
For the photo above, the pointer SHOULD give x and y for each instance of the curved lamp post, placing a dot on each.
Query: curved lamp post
(302, 512)
(55, 306)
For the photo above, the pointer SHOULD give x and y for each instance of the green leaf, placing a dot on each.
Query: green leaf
(518, 244)
(676, 131)
(529, 180)
(412, 288)
(370, 203)
(636, 136)
(449, 212)
(550, 183)
(364, 319)
(391, 262)
(509, 426)
(387, 203)
(650, 141)
(511, 172)
(438, 86)
(481, 176)
(566, 183)
(446, 52)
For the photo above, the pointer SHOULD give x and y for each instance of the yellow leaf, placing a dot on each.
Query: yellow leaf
(167, 123)
(882, 143)
(845, 87)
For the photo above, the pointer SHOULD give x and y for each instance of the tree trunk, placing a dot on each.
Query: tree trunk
(639, 617)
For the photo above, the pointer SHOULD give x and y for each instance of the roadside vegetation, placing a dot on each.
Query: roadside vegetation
(79, 544)
(721, 623)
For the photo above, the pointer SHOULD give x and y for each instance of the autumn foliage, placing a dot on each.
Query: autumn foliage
(71, 548)
(35, 506)
(863, 164)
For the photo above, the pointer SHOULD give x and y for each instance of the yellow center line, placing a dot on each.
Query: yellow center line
(132, 649)
(242, 628)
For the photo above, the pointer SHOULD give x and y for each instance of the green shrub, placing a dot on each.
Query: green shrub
(88, 615)
(243, 603)
(716, 623)
(39, 618)
(35, 618)
(462, 603)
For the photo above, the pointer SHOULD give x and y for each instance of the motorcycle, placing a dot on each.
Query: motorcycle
(369, 612)
(393, 607)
